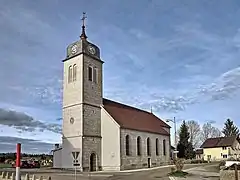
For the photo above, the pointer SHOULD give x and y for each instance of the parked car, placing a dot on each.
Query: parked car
(23, 164)
(34, 164)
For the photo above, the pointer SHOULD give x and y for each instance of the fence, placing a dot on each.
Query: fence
(11, 176)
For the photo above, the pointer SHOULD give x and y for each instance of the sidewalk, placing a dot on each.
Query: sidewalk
(134, 170)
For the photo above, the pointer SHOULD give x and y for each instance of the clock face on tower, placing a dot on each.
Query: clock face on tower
(91, 49)
(74, 49)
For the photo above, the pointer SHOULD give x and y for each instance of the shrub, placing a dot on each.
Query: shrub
(179, 163)
(222, 163)
(173, 169)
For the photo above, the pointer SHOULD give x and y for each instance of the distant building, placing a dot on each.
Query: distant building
(199, 154)
(221, 148)
(102, 134)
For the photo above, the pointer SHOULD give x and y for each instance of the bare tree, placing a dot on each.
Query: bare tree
(194, 131)
(208, 131)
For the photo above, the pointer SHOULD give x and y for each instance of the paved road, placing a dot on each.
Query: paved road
(151, 174)
(209, 172)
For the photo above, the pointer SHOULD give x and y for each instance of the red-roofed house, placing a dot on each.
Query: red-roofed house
(100, 134)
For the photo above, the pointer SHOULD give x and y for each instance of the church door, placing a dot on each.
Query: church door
(93, 162)
(149, 162)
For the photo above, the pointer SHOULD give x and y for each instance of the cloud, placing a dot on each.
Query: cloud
(49, 93)
(8, 144)
(23, 122)
(223, 87)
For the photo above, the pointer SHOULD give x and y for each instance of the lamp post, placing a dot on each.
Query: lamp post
(175, 135)
(175, 130)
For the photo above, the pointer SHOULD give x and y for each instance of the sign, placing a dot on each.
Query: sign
(75, 154)
(76, 164)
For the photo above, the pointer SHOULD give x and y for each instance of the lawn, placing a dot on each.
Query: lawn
(178, 174)
(2, 165)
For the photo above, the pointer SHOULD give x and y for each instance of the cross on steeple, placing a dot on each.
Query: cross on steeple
(83, 18)
(83, 35)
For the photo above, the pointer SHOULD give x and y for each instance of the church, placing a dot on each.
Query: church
(99, 134)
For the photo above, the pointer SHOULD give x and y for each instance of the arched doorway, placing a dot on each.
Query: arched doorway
(93, 162)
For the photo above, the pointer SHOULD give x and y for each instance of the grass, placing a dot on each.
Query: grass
(178, 174)
(2, 165)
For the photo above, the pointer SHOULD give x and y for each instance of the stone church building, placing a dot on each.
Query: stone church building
(98, 133)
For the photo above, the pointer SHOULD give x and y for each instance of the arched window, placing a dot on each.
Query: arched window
(127, 145)
(157, 153)
(74, 72)
(70, 74)
(164, 147)
(148, 147)
(138, 146)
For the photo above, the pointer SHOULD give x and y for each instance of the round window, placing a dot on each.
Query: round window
(71, 120)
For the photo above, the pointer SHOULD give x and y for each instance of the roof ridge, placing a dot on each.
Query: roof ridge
(128, 106)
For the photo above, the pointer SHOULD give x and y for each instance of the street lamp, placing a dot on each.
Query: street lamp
(175, 138)
(175, 130)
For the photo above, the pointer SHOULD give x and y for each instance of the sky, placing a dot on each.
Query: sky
(182, 58)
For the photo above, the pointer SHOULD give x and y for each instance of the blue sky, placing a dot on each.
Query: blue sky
(180, 57)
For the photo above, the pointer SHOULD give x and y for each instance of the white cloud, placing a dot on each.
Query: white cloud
(224, 86)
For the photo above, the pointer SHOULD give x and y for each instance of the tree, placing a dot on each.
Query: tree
(230, 129)
(184, 146)
(208, 131)
(194, 132)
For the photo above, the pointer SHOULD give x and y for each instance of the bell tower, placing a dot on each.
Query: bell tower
(82, 100)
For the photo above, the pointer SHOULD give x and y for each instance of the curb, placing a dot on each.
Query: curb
(146, 169)
(133, 170)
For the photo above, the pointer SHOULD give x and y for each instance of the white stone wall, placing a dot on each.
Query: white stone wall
(72, 129)
(72, 92)
(57, 158)
(69, 145)
(72, 108)
(110, 142)
(134, 161)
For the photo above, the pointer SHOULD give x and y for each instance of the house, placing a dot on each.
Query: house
(221, 148)
(98, 133)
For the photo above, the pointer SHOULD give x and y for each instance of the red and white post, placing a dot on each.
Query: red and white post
(18, 162)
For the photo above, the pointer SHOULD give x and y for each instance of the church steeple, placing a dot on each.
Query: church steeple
(83, 35)
(82, 45)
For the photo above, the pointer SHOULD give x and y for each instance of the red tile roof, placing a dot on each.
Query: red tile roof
(136, 119)
(219, 142)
